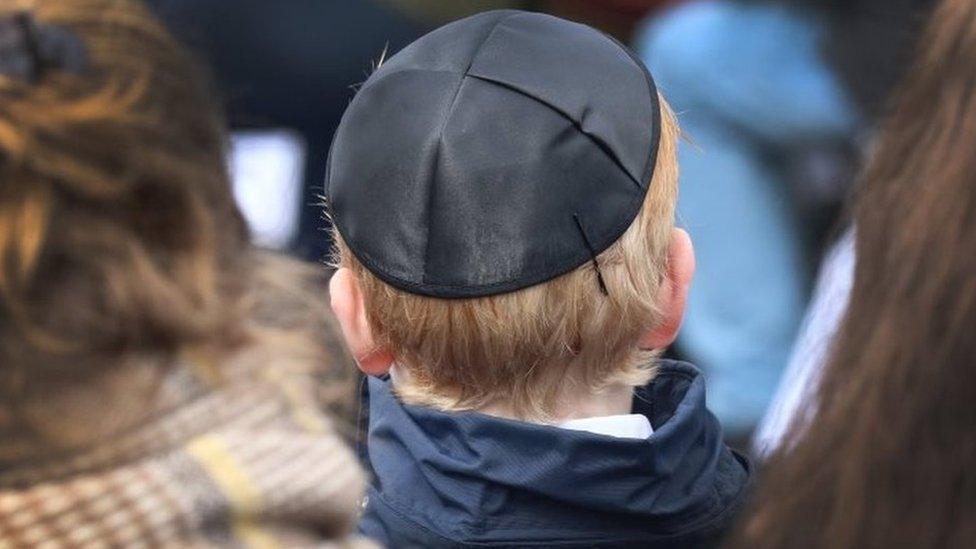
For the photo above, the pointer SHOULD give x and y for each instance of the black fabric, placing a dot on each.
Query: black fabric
(459, 166)
(451, 480)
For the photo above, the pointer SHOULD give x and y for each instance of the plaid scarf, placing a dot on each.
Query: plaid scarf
(249, 461)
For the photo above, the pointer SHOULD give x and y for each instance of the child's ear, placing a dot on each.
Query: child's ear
(673, 294)
(350, 311)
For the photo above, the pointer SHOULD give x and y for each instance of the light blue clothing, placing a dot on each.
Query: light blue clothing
(747, 83)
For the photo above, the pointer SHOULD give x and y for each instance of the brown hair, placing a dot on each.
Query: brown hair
(888, 458)
(525, 349)
(119, 234)
(117, 227)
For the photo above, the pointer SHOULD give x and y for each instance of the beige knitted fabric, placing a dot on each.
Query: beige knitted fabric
(249, 463)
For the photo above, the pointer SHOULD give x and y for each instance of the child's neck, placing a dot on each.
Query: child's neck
(611, 401)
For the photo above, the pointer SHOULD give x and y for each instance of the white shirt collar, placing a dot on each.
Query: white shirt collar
(633, 426)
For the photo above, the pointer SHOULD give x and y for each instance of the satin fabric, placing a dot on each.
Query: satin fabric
(494, 153)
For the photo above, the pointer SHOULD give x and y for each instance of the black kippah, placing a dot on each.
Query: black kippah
(497, 152)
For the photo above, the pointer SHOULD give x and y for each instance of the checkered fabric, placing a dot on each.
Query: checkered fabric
(247, 462)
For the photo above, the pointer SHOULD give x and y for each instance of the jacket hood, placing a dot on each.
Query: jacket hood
(469, 477)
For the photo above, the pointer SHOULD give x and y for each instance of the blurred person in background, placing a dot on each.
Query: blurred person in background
(776, 113)
(886, 458)
(867, 44)
(161, 380)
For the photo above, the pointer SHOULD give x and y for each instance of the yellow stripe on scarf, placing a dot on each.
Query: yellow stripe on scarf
(304, 416)
(244, 497)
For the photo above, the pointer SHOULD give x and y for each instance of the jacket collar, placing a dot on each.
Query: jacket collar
(474, 474)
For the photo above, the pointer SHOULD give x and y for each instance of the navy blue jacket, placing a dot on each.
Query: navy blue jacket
(471, 480)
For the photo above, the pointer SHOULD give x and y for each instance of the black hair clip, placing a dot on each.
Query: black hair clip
(589, 246)
(28, 49)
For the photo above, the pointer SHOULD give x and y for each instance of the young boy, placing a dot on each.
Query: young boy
(503, 194)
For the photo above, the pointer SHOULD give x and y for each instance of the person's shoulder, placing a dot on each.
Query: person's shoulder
(694, 48)
(688, 29)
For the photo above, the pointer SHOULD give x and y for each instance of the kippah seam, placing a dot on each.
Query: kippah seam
(435, 160)
(578, 124)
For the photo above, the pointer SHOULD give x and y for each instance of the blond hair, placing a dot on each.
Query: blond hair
(527, 348)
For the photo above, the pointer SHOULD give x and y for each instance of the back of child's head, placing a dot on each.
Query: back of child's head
(488, 319)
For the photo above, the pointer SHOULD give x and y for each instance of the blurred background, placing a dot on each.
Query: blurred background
(778, 101)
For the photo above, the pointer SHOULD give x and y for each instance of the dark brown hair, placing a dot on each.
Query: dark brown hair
(120, 240)
(118, 230)
(889, 458)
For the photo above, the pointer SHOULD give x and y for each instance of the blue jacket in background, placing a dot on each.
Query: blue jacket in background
(471, 480)
(753, 95)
